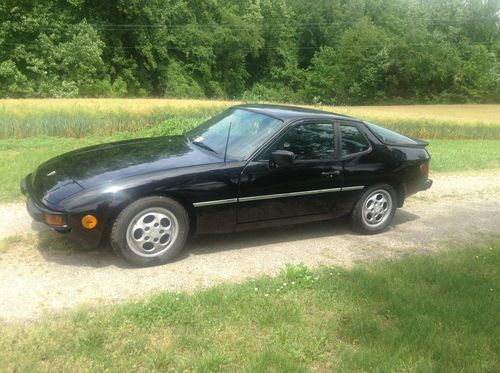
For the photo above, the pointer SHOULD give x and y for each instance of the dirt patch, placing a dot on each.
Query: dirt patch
(45, 273)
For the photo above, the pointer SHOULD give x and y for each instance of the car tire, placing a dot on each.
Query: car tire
(150, 231)
(374, 210)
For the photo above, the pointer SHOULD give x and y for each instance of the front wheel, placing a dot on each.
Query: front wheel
(150, 231)
(375, 209)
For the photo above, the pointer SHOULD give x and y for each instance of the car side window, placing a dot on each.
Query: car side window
(353, 141)
(308, 141)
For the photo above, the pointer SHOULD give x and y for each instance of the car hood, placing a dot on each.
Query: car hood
(100, 164)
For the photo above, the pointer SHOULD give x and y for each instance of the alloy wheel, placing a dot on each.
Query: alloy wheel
(377, 208)
(152, 232)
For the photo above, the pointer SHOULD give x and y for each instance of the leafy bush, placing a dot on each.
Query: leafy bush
(297, 274)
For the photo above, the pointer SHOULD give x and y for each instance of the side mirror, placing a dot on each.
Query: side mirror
(282, 158)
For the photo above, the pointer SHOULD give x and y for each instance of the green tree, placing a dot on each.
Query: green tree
(354, 71)
(336, 51)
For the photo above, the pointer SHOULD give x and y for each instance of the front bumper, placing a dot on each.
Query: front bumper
(88, 239)
(38, 212)
(34, 211)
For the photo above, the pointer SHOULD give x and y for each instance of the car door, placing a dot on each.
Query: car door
(308, 187)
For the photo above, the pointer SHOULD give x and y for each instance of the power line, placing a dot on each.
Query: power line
(136, 26)
(382, 45)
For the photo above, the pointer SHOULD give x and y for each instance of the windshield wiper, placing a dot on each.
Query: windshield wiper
(204, 146)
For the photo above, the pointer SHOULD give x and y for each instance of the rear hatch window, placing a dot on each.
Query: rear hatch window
(390, 137)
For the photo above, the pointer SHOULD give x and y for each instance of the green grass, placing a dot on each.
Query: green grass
(464, 155)
(418, 314)
(8, 242)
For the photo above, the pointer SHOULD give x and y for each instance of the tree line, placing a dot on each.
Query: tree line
(313, 51)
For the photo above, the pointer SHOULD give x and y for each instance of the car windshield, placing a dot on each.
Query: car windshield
(389, 137)
(248, 131)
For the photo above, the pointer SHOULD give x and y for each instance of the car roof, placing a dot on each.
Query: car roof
(287, 113)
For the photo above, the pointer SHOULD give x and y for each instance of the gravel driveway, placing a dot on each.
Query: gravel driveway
(35, 280)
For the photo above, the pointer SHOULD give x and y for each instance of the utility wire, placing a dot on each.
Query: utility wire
(189, 47)
(135, 26)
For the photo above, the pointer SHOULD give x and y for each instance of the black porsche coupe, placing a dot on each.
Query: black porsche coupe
(251, 166)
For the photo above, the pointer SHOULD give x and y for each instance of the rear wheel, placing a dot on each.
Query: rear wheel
(375, 209)
(150, 231)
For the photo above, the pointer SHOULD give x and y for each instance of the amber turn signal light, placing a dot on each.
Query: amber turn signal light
(89, 221)
(54, 220)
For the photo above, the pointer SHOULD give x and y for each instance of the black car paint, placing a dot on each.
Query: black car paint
(101, 180)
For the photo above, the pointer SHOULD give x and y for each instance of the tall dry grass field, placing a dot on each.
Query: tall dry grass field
(94, 117)
(145, 106)
(457, 114)
(102, 117)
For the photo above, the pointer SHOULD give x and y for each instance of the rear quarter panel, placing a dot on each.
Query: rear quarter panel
(398, 165)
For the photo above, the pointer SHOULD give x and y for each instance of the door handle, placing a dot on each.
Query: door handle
(330, 173)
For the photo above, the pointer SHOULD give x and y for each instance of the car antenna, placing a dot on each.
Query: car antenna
(227, 140)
